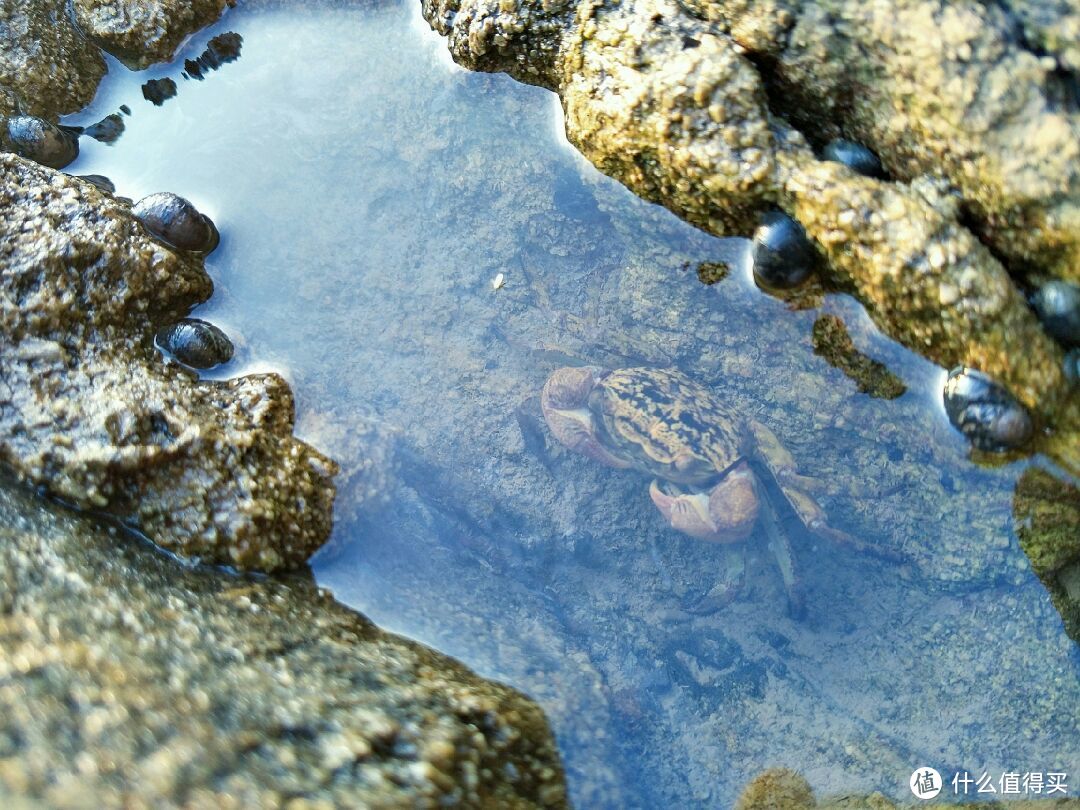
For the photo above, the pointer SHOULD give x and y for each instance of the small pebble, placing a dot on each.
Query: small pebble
(783, 256)
(1057, 304)
(985, 412)
(174, 220)
(37, 139)
(855, 156)
(195, 343)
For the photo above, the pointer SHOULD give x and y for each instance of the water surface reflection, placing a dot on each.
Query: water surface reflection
(368, 193)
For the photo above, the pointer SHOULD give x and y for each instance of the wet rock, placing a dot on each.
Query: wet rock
(46, 65)
(703, 131)
(195, 343)
(177, 222)
(107, 130)
(1058, 306)
(131, 680)
(145, 32)
(40, 141)
(158, 91)
(985, 412)
(855, 156)
(220, 50)
(783, 256)
(831, 340)
(89, 412)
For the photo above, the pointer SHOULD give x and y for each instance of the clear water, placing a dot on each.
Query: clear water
(368, 192)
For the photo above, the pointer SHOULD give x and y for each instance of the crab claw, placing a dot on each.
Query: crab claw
(565, 403)
(724, 514)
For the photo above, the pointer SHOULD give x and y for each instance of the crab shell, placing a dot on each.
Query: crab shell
(659, 422)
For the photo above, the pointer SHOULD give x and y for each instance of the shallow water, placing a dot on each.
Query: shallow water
(368, 193)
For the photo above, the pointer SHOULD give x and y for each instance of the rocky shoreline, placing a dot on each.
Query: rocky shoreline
(182, 684)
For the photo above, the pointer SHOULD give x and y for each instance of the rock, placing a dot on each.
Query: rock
(46, 65)
(1047, 514)
(132, 680)
(92, 414)
(142, 33)
(657, 95)
(777, 789)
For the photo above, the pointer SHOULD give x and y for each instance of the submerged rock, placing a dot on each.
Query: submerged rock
(90, 414)
(47, 67)
(832, 341)
(985, 412)
(177, 222)
(40, 141)
(195, 343)
(131, 680)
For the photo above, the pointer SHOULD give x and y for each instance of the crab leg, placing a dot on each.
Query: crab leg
(780, 549)
(797, 489)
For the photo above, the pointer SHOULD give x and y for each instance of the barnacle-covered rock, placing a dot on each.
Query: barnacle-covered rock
(40, 141)
(90, 414)
(147, 31)
(195, 343)
(177, 222)
(131, 680)
(712, 107)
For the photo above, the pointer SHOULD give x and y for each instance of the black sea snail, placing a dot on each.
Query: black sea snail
(783, 256)
(177, 222)
(37, 139)
(855, 156)
(195, 343)
(985, 412)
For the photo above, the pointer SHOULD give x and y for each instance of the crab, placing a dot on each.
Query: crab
(701, 453)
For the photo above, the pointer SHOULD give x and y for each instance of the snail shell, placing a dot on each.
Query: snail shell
(37, 139)
(783, 256)
(855, 156)
(177, 222)
(985, 412)
(195, 343)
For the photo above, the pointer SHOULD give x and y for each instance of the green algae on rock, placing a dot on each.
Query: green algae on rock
(669, 102)
(1047, 514)
(130, 680)
(832, 341)
(89, 411)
